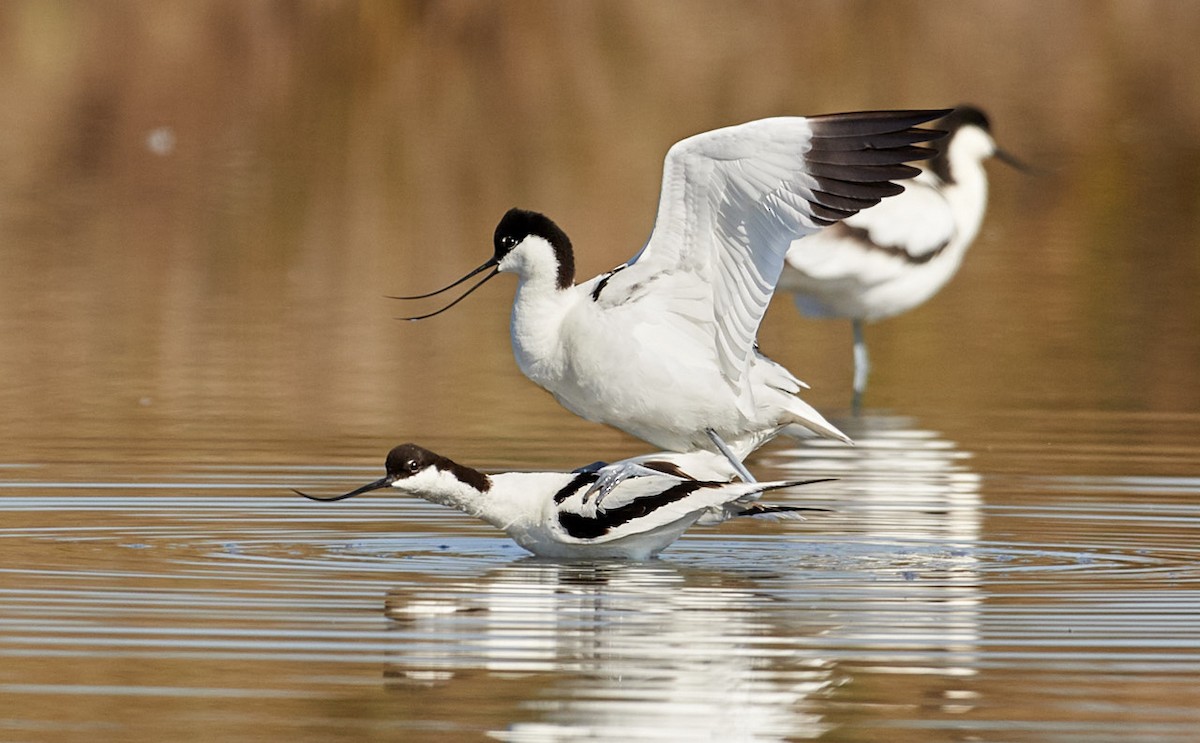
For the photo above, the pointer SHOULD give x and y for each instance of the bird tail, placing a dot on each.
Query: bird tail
(806, 421)
(745, 503)
(798, 419)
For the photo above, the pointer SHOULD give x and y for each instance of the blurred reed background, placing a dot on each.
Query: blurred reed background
(203, 204)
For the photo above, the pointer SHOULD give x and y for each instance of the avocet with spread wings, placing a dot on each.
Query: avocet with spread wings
(664, 346)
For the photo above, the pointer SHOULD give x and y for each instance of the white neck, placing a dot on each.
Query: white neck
(538, 310)
(969, 192)
(537, 318)
(520, 500)
(442, 487)
(512, 500)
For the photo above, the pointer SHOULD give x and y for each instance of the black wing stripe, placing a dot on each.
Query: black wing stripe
(863, 237)
(580, 526)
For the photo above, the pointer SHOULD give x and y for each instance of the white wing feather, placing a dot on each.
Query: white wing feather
(732, 202)
(734, 199)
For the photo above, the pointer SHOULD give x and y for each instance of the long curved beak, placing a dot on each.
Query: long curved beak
(489, 263)
(382, 482)
(1013, 161)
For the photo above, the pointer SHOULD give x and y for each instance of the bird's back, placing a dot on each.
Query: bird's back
(887, 259)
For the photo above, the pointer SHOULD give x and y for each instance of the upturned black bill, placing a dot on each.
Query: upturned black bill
(489, 264)
(380, 483)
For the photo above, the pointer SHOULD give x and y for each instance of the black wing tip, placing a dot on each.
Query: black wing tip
(904, 117)
(868, 155)
(888, 128)
(797, 483)
(865, 174)
(760, 509)
(868, 192)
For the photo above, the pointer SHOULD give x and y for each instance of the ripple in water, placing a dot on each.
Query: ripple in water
(925, 601)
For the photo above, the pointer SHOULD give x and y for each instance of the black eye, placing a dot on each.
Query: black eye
(508, 242)
(411, 465)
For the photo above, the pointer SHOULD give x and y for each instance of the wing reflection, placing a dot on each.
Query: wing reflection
(900, 480)
(909, 507)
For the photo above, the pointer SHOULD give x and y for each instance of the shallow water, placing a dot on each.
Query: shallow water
(203, 206)
(940, 598)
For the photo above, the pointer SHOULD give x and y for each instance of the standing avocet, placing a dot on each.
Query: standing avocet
(892, 257)
(664, 346)
(546, 513)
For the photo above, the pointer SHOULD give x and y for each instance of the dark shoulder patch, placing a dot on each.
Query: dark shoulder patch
(603, 282)
(580, 480)
(580, 526)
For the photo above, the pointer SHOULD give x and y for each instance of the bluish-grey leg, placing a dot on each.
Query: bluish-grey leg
(862, 364)
(724, 449)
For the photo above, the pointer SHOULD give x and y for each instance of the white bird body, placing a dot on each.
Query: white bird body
(664, 346)
(583, 350)
(546, 512)
(890, 258)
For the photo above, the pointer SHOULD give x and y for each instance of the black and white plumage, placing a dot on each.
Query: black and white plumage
(664, 347)
(889, 258)
(545, 512)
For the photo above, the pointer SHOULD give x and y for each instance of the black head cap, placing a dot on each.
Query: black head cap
(407, 460)
(518, 224)
(963, 115)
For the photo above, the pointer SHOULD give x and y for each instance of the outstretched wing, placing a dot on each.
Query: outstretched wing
(734, 199)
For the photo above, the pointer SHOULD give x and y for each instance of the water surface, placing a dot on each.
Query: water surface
(937, 599)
